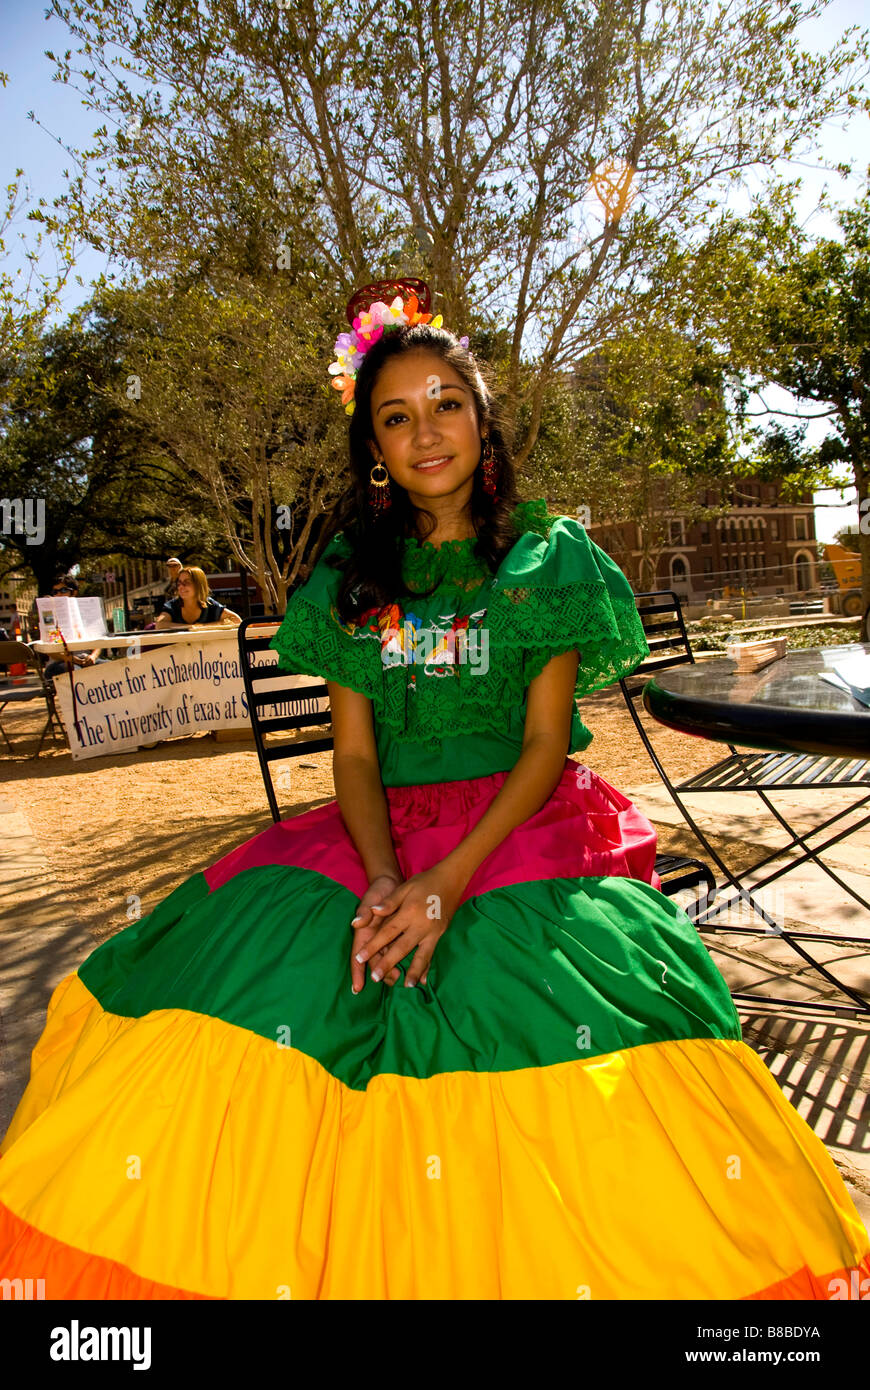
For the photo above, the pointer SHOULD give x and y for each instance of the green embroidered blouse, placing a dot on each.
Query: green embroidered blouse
(448, 674)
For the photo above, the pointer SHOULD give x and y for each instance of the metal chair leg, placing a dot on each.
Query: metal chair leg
(6, 738)
(799, 839)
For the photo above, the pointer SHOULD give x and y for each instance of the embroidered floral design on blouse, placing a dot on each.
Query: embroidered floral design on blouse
(373, 622)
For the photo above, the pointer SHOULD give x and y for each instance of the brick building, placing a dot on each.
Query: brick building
(16, 596)
(763, 545)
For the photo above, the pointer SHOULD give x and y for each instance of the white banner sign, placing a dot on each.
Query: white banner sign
(166, 692)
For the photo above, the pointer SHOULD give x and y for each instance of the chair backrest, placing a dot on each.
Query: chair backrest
(661, 614)
(14, 654)
(279, 703)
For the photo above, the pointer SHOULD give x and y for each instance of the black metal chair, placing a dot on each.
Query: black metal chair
(679, 872)
(35, 687)
(662, 617)
(278, 703)
(267, 689)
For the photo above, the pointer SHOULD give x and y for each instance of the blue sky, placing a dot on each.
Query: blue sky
(34, 146)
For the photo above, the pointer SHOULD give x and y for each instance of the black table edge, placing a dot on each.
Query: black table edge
(767, 727)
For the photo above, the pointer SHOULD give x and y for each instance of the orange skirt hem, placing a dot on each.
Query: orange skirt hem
(47, 1268)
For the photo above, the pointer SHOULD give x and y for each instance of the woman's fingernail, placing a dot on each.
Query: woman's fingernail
(354, 990)
(355, 921)
(376, 974)
(409, 984)
(361, 957)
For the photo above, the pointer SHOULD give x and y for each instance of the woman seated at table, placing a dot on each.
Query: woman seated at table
(194, 604)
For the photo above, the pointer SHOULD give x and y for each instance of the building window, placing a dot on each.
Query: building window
(800, 528)
(705, 533)
(774, 528)
(776, 563)
(679, 570)
(676, 533)
(708, 564)
(803, 571)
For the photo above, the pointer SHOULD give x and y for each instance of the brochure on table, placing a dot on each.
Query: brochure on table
(76, 619)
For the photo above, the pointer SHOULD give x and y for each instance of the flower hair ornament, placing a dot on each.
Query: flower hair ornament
(369, 319)
(370, 316)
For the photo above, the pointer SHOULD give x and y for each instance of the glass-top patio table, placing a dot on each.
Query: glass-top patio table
(788, 706)
(809, 712)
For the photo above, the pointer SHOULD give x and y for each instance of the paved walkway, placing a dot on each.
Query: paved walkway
(39, 944)
(821, 1067)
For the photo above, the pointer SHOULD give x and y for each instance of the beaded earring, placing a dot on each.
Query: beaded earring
(489, 469)
(379, 490)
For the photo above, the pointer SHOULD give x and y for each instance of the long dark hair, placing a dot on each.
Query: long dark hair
(373, 570)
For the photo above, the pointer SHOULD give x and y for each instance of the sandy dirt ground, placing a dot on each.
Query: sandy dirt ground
(140, 823)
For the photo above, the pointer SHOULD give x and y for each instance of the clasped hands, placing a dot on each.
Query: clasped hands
(393, 917)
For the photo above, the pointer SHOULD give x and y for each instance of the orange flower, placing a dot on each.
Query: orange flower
(411, 309)
(346, 385)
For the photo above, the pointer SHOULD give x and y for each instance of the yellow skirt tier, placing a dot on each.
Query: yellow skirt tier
(186, 1157)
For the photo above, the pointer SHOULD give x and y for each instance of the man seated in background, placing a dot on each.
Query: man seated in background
(173, 569)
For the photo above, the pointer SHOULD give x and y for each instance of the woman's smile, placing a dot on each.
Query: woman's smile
(433, 465)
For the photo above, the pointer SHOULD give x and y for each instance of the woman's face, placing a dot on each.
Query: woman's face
(422, 409)
(185, 586)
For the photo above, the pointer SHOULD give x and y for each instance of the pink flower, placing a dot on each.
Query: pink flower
(371, 323)
(368, 330)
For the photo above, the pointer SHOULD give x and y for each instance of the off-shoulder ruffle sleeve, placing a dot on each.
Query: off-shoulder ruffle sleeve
(311, 640)
(561, 592)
